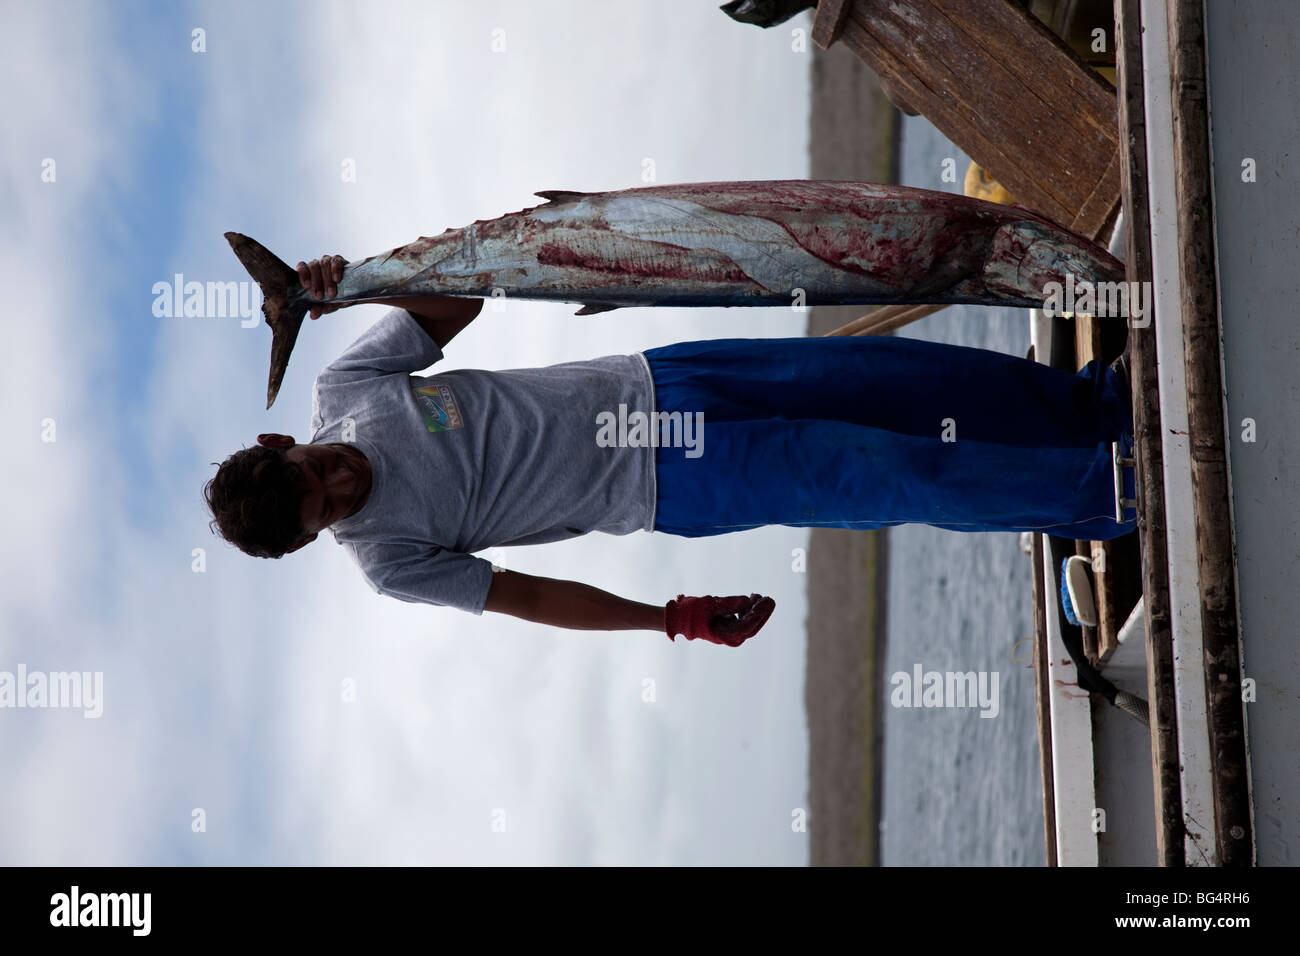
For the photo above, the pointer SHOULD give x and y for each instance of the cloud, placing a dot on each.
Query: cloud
(228, 690)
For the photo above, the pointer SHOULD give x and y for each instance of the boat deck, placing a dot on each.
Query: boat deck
(1213, 781)
(1198, 136)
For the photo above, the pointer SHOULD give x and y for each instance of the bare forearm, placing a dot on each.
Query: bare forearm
(441, 317)
(726, 620)
(584, 608)
(576, 606)
(438, 307)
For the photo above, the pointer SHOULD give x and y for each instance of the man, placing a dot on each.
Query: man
(414, 474)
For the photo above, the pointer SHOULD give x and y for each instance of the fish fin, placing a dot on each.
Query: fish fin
(940, 279)
(560, 195)
(283, 309)
(593, 308)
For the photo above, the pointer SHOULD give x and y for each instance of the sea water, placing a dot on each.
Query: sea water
(959, 788)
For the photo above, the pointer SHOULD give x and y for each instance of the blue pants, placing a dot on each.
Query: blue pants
(874, 431)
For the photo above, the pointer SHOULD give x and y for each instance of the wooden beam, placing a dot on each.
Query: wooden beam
(1088, 632)
(885, 319)
(1097, 215)
(1170, 831)
(828, 21)
(1006, 90)
(1096, 639)
(1193, 179)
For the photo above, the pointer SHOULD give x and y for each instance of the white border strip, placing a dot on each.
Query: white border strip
(1184, 581)
(1073, 777)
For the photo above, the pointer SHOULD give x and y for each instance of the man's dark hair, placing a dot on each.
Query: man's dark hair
(255, 501)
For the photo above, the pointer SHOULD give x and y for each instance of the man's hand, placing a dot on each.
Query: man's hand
(730, 620)
(321, 278)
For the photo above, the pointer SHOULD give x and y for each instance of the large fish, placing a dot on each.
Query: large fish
(772, 243)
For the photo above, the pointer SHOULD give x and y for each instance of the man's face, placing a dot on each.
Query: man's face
(335, 481)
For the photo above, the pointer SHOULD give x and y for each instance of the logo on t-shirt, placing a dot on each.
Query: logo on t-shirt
(438, 404)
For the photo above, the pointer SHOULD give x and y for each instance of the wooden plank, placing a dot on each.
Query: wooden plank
(828, 21)
(1006, 55)
(1170, 830)
(987, 97)
(1084, 550)
(958, 123)
(1110, 616)
(885, 319)
(1098, 641)
(1211, 495)
(1087, 346)
(1007, 33)
(1087, 339)
(1124, 570)
(1006, 90)
(948, 115)
(1096, 217)
(1195, 766)
(1114, 598)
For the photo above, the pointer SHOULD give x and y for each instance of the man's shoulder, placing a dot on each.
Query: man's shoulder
(424, 574)
(335, 400)
(380, 559)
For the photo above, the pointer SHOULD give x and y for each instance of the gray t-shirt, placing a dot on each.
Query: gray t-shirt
(472, 459)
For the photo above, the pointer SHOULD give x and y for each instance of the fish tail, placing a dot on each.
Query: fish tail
(282, 305)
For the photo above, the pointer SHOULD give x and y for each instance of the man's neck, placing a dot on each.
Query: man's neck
(360, 458)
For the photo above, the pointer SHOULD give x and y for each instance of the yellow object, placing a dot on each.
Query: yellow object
(980, 185)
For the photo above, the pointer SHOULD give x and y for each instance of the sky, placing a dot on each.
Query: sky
(281, 712)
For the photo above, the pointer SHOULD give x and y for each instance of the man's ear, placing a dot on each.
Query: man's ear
(302, 543)
(273, 440)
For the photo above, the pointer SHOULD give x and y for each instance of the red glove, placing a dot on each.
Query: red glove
(728, 620)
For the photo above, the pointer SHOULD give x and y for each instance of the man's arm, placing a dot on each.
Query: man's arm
(730, 620)
(568, 604)
(441, 316)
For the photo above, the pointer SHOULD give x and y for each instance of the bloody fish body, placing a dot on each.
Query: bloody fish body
(764, 243)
